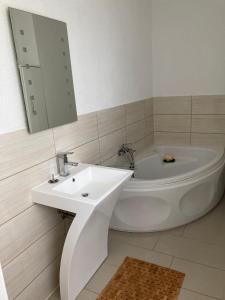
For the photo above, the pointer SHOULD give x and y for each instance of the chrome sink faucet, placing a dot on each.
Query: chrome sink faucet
(63, 163)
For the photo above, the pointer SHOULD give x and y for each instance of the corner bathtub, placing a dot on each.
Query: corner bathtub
(166, 195)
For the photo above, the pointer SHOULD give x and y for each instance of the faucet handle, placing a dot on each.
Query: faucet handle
(63, 154)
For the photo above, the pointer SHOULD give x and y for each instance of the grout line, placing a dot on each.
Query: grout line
(137, 121)
(52, 293)
(187, 132)
(177, 114)
(99, 148)
(190, 290)
(194, 239)
(54, 260)
(21, 212)
(115, 155)
(191, 122)
(171, 255)
(171, 263)
(183, 230)
(53, 136)
(153, 249)
(28, 168)
(194, 132)
(30, 245)
(90, 290)
(46, 160)
(191, 261)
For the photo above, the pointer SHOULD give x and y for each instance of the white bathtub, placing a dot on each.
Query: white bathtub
(167, 195)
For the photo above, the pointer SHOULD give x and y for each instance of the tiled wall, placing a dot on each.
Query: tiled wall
(32, 236)
(197, 120)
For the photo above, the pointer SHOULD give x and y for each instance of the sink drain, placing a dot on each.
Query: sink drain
(85, 194)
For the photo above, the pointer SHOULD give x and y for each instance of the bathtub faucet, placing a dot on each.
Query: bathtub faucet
(129, 153)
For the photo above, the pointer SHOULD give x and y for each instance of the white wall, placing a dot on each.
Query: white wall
(188, 47)
(110, 45)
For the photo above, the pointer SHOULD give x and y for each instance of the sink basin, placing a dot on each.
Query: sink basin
(91, 192)
(90, 184)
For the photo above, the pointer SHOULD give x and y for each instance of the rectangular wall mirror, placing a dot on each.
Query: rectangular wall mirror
(43, 59)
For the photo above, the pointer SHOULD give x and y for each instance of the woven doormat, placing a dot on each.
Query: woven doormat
(140, 280)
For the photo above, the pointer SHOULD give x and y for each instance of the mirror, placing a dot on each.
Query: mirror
(43, 59)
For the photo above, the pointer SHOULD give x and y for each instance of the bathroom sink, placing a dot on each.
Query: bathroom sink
(86, 184)
(91, 192)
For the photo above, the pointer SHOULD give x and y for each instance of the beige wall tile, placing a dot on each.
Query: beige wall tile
(143, 147)
(164, 138)
(208, 105)
(136, 131)
(87, 153)
(172, 105)
(15, 236)
(70, 136)
(43, 285)
(149, 124)
(148, 107)
(208, 123)
(175, 123)
(135, 112)
(111, 119)
(208, 139)
(110, 144)
(27, 266)
(116, 161)
(20, 150)
(15, 191)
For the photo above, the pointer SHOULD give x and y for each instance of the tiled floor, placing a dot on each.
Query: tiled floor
(197, 249)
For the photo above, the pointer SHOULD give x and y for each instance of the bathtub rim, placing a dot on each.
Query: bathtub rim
(209, 167)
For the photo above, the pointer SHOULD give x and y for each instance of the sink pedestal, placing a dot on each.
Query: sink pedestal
(86, 247)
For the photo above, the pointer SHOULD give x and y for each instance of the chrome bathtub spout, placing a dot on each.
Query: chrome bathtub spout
(129, 154)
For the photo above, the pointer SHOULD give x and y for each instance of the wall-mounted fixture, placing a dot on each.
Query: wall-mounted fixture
(43, 59)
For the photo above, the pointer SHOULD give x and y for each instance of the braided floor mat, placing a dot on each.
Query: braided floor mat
(140, 280)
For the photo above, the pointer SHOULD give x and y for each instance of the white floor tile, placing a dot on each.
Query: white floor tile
(87, 295)
(143, 240)
(101, 278)
(146, 240)
(118, 251)
(199, 252)
(55, 296)
(189, 295)
(210, 228)
(204, 280)
(84, 295)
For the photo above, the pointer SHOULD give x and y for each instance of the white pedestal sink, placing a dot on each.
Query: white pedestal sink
(91, 192)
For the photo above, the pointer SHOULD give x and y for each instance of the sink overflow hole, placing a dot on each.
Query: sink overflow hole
(73, 179)
(85, 194)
